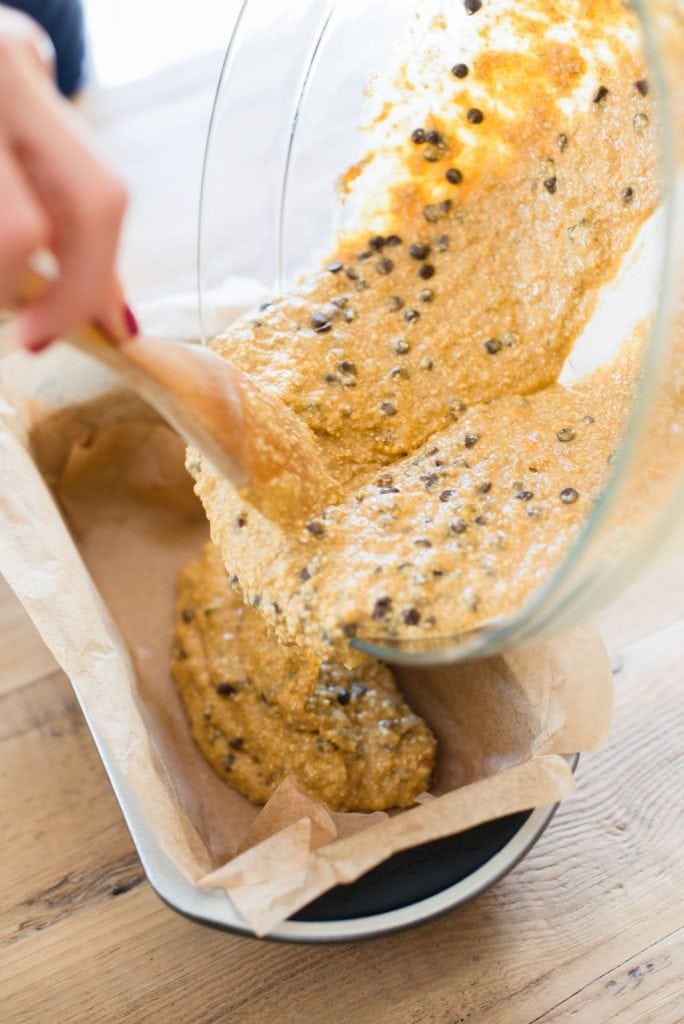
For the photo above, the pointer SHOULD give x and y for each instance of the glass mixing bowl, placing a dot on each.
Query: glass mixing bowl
(285, 124)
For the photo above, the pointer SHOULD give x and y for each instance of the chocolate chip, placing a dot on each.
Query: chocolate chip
(345, 366)
(401, 346)
(600, 94)
(433, 137)
(429, 479)
(443, 243)
(445, 495)
(470, 440)
(343, 697)
(493, 345)
(352, 273)
(459, 70)
(475, 116)
(419, 251)
(418, 136)
(627, 195)
(365, 254)
(384, 266)
(426, 363)
(393, 240)
(472, 6)
(454, 176)
(485, 487)
(411, 315)
(382, 607)
(320, 322)
(426, 295)
(394, 303)
(423, 542)
(334, 267)
(569, 495)
(411, 616)
(565, 434)
(304, 575)
(241, 520)
(550, 184)
(226, 689)
(387, 409)
(236, 743)
(481, 520)
(524, 495)
(642, 86)
(187, 615)
(376, 243)
(458, 526)
(426, 271)
(315, 528)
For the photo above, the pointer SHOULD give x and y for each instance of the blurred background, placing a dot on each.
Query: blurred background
(132, 39)
(143, 74)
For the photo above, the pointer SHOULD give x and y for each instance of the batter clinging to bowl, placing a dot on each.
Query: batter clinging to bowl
(424, 355)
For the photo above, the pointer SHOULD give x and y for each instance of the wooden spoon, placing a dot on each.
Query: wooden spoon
(252, 438)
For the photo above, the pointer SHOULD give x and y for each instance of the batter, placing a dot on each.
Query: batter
(423, 357)
(259, 710)
(507, 181)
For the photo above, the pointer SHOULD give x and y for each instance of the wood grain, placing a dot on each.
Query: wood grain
(598, 898)
(646, 989)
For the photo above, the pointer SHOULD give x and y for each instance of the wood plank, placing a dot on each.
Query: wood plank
(601, 886)
(646, 989)
(63, 842)
(652, 604)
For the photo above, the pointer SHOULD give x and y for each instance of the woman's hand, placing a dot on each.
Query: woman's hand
(54, 195)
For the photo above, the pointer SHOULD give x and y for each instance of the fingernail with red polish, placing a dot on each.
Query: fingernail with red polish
(38, 346)
(131, 322)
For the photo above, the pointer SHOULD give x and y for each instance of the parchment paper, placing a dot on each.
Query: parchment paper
(96, 516)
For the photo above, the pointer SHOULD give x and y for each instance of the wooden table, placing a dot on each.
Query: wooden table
(589, 928)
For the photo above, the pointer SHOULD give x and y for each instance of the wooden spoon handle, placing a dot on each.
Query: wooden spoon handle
(252, 438)
(188, 385)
